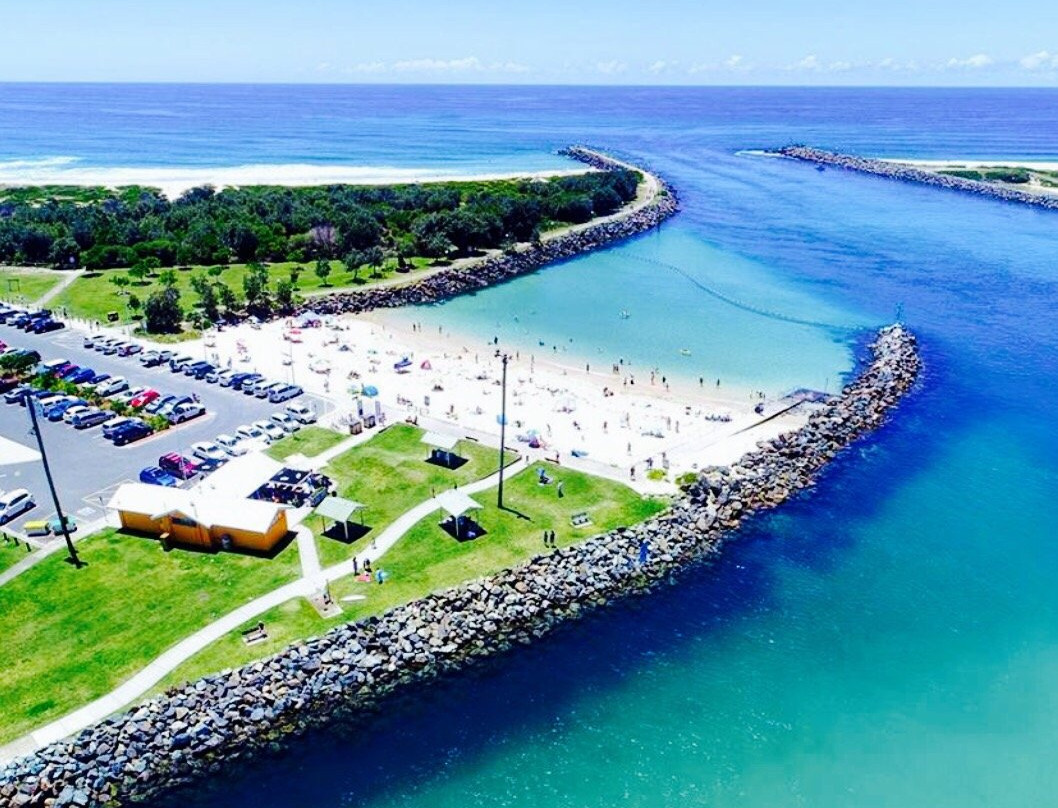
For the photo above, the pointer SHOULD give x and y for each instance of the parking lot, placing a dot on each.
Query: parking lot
(87, 467)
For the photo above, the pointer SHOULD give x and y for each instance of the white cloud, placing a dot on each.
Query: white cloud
(734, 62)
(975, 62)
(323, 67)
(368, 67)
(438, 65)
(1041, 60)
(810, 62)
(659, 66)
(840, 67)
(611, 67)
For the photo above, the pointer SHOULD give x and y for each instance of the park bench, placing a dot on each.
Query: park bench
(580, 519)
(255, 634)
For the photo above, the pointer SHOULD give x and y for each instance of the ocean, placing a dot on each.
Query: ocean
(891, 637)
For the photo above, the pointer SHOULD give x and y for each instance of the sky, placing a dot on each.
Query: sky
(798, 42)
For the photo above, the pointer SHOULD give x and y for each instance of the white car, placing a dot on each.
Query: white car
(185, 412)
(285, 422)
(301, 413)
(129, 394)
(251, 432)
(68, 416)
(231, 445)
(112, 386)
(209, 451)
(272, 430)
(14, 503)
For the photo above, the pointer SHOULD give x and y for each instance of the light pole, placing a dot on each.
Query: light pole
(31, 405)
(503, 429)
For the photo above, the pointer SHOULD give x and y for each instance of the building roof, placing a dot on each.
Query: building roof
(337, 508)
(208, 509)
(240, 476)
(455, 502)
(445, 442)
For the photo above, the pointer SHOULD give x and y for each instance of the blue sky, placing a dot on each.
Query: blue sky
(928, 42)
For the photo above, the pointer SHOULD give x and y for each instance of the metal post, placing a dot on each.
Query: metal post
(31, 405)
(503, 430)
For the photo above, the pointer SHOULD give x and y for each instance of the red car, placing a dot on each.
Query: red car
(144, 398)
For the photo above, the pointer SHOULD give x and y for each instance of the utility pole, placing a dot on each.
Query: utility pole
(31, 405)
(503, 429)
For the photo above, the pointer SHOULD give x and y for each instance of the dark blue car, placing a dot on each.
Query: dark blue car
(81, 376)
(152, 475)
(132, 431)
(56, 411)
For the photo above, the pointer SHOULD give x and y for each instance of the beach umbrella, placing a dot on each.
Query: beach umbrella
(370, 390)
(426, 365)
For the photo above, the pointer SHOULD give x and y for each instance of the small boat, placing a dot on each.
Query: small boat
(685, 351)
(624, 314)
(821, 168)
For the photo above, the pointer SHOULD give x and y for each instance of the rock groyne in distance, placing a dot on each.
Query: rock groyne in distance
(199, 729)
(454, 281)
(906, 173)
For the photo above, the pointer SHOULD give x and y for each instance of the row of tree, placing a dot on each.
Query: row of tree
(139, 228)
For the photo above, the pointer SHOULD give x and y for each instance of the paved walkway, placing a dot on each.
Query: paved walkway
(69, 276)
(45, 549)
(166, 663)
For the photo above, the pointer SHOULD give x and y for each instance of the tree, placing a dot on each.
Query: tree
(215, 272)
(323, 269)
(133, 302)
(285, 295)
(162, 313)
(120, 281)
(227, 297)
(295, 273)
(255, 287)
(374, 258)
(167, 278)
(207, 299)
(353, 261)
(139, 271)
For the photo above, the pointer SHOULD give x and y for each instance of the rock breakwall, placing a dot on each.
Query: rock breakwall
(198, 729)
(905, 173)
(454, 281)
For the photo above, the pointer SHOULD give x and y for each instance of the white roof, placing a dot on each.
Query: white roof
(240, 476)
(338, 508)
(209, 509)
(446, 442)
(455, 502)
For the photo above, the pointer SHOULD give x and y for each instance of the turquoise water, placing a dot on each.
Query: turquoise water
(889, 639)
(739, 321)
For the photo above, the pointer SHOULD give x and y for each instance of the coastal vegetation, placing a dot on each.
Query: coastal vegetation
(26, 285)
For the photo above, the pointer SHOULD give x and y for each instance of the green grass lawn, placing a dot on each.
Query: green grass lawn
(26, 285)
(428, 559)
(9, 554)
(93, 295)
(389, 474)
(309, 441)
(70, 636)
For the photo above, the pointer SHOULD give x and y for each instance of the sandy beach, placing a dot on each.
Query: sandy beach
(174, 181)
(605, 420)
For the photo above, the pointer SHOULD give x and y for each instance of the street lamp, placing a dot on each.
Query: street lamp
(503, 429)
(32, 404)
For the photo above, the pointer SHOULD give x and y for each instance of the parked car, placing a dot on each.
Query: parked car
(231, 445)
(150, 359)
(45, 325)
(178, 363)
(112, 347)
(132, 431)
(249, 386)
(178, 465)
(90, 417)
(165, 356)
(216, 375)
(67, 371)
(112, 386)
(57, 411)
(81, 376)
(15, 503)
(89, 341)
(97, 379)
(248, 380)
(185, 412)
(250, 432)
(103, 343)
(235, 379)
(284, 393)
(160, 402)
(125, 396)
(204, 450)
(8, 384)
(52, 366)
(73, 411)
(200, 370)
(154, 475)
(167, 410)
(285, 422)
(272, 430)
(116, 423)
(301, 413)
(144, 398)
(17, 394)
(129, 349)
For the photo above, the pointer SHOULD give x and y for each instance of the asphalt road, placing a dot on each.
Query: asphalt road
(87, 467)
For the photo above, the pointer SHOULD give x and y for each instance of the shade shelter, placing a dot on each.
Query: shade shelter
(341, 510)
(442, 453)
(457, 524)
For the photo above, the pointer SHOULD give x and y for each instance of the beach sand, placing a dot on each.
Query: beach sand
(174, 181)
(613, 420)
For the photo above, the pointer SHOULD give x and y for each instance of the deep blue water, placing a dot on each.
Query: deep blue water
(889, 639)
